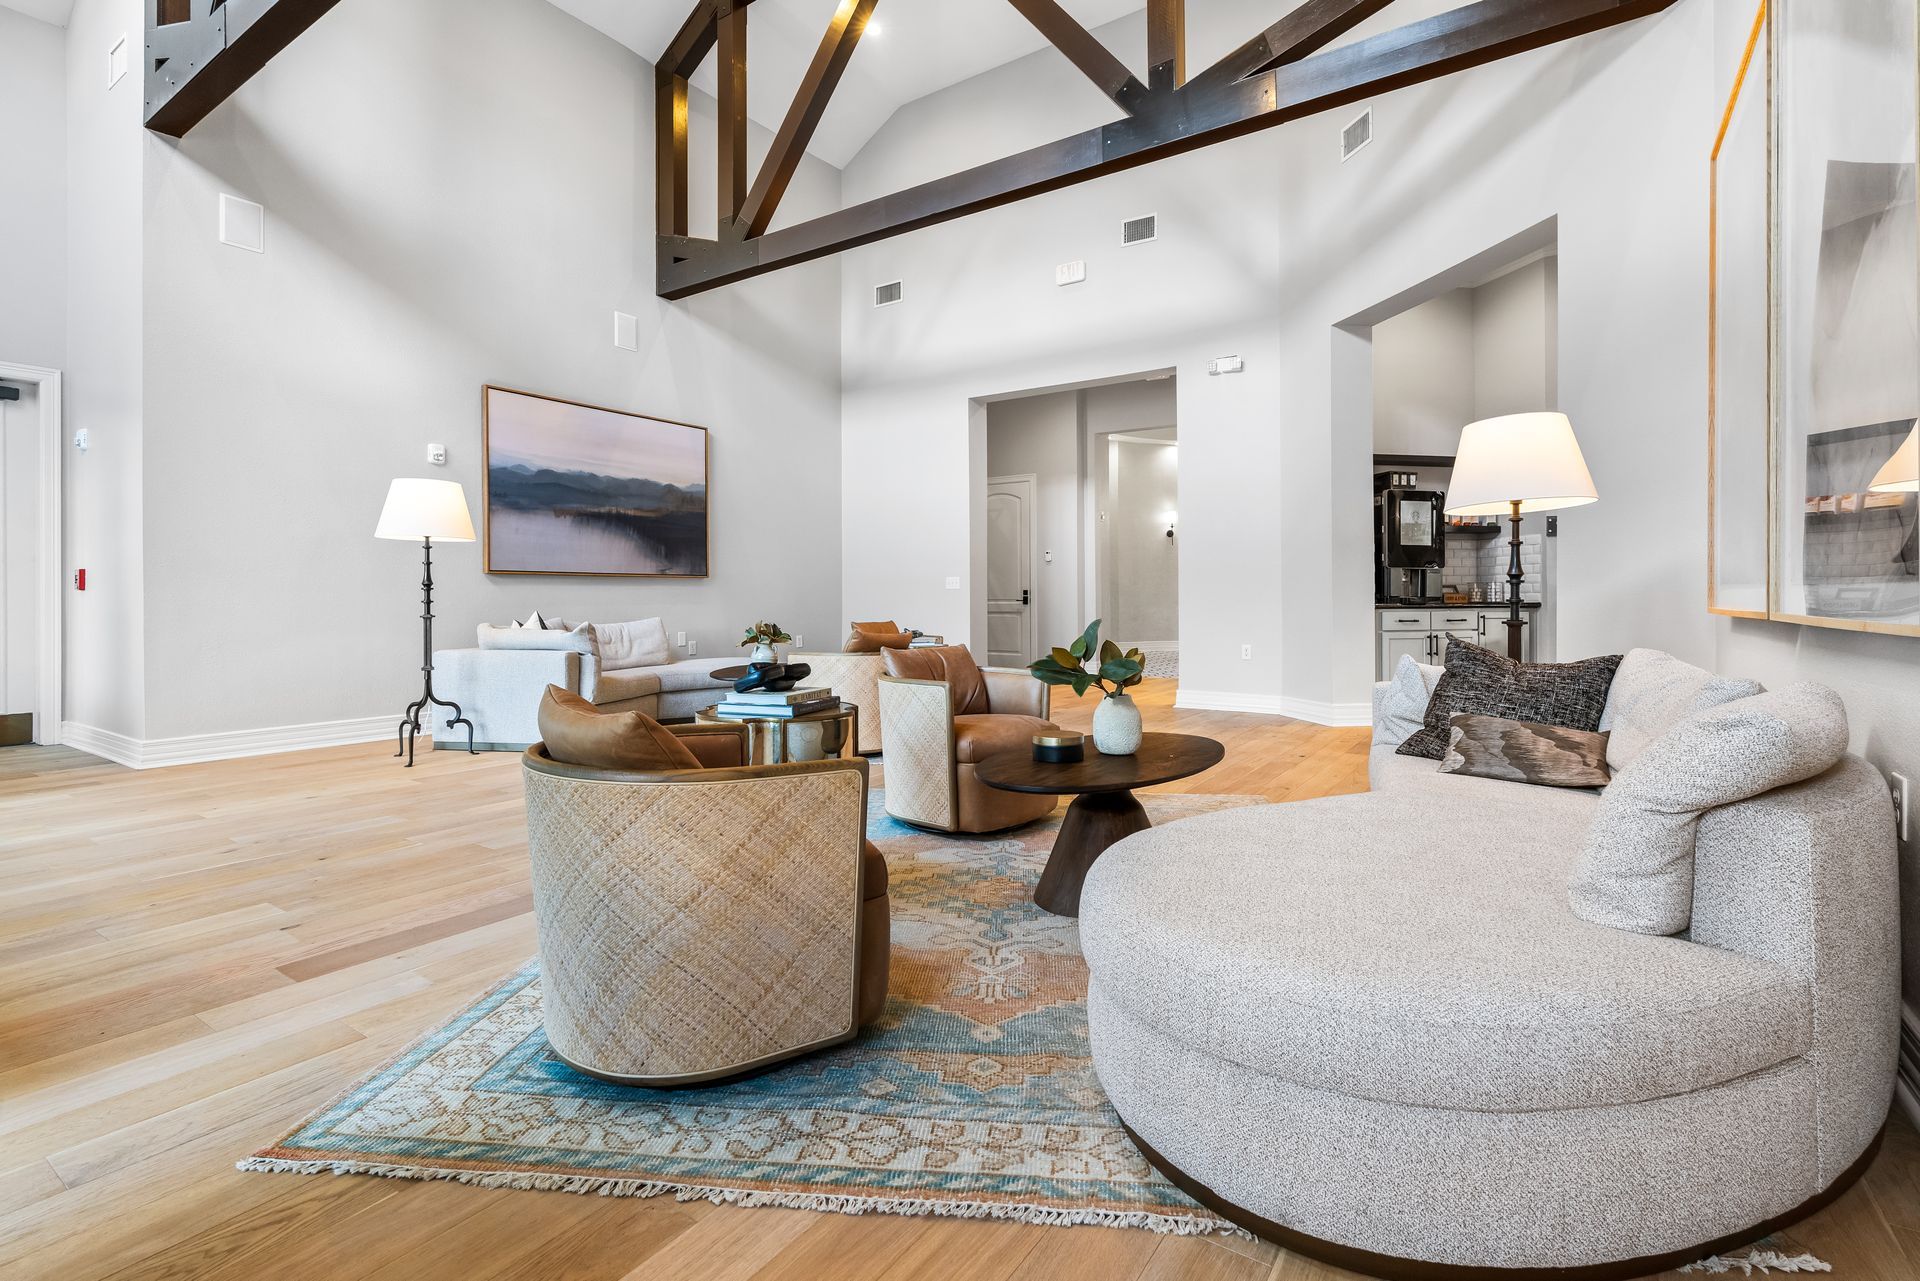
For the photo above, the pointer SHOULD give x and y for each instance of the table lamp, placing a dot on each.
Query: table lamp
(426, 510)
(1901, 475)
(1513, 465)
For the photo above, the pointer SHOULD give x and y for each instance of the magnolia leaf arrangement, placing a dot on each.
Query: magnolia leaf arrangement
(766, 634)
(1115, 674)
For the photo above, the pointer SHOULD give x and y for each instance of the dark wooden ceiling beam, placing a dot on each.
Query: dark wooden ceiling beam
(1306, 29)
(732, 24)
(669, 153)
(803, 117)
(192, 66)
(1169, 124)
(1166, 44)
(1094, 59)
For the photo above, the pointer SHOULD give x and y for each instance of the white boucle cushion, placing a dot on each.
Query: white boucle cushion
(579, 639)
(1404, 709)
(1636, 869)
(1652, 692)
(642, 643)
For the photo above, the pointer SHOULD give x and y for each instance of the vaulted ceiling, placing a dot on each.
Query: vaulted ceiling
(55, 11)
(912, 48)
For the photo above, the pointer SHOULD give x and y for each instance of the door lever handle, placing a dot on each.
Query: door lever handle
(1026, 596)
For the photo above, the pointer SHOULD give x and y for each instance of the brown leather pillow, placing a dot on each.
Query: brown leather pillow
(950, 663)
(887, 628)
(578, 733)
(873, 642)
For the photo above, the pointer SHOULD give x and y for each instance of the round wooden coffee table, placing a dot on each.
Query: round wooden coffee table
(1104, 808)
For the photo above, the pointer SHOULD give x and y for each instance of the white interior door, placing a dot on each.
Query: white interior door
(18, 639)
(1010, 613)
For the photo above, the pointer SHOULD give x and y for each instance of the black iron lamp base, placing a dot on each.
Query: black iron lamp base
(1515, 576)
(410, 723)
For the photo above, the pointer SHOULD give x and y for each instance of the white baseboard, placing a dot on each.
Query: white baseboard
(1299, 709)
(156, 753)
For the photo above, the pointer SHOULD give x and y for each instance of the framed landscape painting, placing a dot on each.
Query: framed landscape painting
(575, 489)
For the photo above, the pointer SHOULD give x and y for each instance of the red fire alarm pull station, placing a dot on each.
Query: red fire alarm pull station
(80, 580)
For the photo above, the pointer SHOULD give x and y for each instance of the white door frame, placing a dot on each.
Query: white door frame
(1032, 482)
(46, 384)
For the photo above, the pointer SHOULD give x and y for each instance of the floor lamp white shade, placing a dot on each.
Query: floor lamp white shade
(1901, 475)
(1532, 459)
(418, 509)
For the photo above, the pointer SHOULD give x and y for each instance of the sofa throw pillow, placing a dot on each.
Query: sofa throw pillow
(1403, 708)
(1525, 752)
(534, 622)
(576, 732)
(580, 640)
(642, 643)
(1569, 695)
(1636, 869)
(1654, 691)
(859, 642)
(950, 663)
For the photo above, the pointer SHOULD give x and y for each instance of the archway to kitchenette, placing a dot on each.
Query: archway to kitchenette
(1076, 517)
(1477, 340)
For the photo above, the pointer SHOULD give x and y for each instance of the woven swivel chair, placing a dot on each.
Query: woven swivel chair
(942, 714)
(699, 924)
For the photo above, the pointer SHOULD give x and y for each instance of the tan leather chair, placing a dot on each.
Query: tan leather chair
(698, 924)
(943, 713)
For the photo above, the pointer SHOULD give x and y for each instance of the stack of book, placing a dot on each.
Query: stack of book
(761, 704)
(923, 641)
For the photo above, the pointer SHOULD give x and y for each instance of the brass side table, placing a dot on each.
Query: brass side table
(775, 740)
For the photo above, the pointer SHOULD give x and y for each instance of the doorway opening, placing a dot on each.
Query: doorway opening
(1480, 340)
(30, 558)
(1080, 519)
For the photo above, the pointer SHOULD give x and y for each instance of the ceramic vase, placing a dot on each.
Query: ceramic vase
(1116, 726)
(764, 654)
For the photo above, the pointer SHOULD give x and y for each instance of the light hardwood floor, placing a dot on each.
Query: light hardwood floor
(192, 959)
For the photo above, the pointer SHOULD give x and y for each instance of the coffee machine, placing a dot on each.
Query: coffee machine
(1409, 539)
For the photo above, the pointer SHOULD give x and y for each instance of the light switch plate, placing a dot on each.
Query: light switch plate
(437, 455)
(626, 331)
(81, 440)
(953, 584)
(243, 224)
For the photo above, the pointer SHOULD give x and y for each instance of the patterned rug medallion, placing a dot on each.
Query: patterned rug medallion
(973, 1096)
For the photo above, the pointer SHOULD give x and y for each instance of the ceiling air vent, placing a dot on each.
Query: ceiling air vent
(888, 294)
(1138, 231)
(1356, 135)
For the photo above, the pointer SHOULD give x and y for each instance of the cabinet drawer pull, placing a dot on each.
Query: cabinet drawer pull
(1408, 620)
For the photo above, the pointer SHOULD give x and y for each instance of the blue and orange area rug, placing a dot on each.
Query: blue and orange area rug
(974, 1096)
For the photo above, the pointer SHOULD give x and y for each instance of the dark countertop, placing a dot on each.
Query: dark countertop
(1484, 604)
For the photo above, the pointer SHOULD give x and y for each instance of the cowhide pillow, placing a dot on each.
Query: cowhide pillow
(1525, 752)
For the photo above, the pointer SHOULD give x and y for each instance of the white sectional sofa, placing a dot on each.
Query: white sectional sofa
(498, 683)
(1374, 1029)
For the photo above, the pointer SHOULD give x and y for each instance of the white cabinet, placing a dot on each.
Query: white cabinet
(1422, 634)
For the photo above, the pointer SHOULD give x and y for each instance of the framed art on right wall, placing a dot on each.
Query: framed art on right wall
(1846, 295)
(1814, 318)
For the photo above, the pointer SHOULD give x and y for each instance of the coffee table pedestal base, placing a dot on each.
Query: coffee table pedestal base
(1093, 822)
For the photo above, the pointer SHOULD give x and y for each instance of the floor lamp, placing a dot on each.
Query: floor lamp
(426, 510)
(1511, 466)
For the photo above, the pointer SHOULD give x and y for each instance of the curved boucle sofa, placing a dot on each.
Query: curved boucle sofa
(1371, 1028)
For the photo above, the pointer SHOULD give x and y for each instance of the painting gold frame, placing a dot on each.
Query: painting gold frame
(486, 485)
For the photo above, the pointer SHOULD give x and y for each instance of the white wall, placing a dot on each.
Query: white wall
(33, 192)
(106, 657)
(1423, 376)
(1040, 436)
(1515, 327)
(473, 210)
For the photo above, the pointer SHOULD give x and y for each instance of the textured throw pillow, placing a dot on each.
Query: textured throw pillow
(576, 732)
(950, 663)
(637, 644)
(867, 642)
(1570, 695)
(580, 639)
(1525, 752)
(1654, 691)
(534, 622)
(1403, 710)
(1636, 869)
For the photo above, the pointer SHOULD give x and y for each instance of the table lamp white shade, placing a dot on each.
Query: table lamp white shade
(1901, 475)
(1532, 458)
(418, 509)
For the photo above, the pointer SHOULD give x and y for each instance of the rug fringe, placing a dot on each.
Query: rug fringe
(1761, 1261)
(835, 1203)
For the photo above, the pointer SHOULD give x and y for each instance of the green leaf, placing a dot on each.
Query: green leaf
(1083, 647)
(1108, 651)
(1082, 683)
(1121, 671)
(1065, 658)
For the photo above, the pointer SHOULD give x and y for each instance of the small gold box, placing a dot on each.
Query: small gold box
(1060, 749)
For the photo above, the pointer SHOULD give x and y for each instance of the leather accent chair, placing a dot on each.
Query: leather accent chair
(699, 924)
(942, 714)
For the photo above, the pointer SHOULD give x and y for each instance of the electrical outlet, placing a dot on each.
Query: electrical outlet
(797, 642)
(1246, 651)
(1902, 804)
(693, 647)
(953, 584)
(437, 455)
